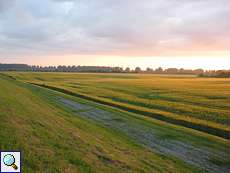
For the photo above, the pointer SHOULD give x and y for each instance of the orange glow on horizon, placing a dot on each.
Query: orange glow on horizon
(213, 61)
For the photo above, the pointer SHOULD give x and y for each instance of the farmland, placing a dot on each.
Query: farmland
(202, 103)
(68, 122)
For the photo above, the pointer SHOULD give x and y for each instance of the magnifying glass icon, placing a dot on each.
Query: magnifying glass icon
(9, 160)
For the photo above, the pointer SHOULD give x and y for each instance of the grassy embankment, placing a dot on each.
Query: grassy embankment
(53, 140)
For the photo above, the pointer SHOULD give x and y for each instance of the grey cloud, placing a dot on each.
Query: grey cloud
(108, 26)
(5, 5)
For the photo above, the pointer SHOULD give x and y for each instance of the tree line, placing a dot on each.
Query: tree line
(104, 69)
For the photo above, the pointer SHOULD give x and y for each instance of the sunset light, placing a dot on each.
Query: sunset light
(188, 34)
(115, 86)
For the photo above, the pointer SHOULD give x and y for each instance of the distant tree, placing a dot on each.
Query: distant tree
(127, 70)
(149, 70)
(159, 70)
(172, 70)
(223, 73)
(137, 70)
(15, 67)
(198, 71)
(185, 71)
(117, 69)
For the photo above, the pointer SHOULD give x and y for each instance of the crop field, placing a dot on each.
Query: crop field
(200, 103)
(73, 122)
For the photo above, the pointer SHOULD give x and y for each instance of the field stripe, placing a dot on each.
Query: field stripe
(200, 127)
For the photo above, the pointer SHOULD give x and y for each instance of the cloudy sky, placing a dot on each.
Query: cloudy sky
(168, 33)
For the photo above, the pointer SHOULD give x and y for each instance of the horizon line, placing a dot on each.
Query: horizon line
(123, 67)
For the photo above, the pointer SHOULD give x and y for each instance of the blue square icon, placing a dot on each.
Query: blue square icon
(10, 162)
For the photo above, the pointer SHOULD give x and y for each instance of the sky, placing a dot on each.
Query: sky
(146, 33)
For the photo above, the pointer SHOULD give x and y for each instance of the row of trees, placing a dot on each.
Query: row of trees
(102, 69)
(213, 73)
(25, 67)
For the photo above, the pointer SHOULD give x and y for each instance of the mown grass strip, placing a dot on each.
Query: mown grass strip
(201, 127)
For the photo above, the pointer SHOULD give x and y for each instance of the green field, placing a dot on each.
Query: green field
(200, 103)
(110, 122)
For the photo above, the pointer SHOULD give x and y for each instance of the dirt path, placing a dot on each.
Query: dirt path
(148, 137)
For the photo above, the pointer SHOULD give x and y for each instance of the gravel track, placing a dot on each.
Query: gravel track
(148, 137)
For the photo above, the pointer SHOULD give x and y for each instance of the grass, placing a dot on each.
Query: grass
(199, 103)
(54, 139)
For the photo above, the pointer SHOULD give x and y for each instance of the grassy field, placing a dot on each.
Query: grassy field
(200, 103)
(60, 132)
